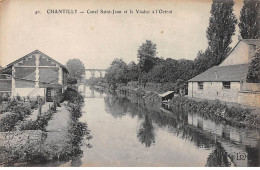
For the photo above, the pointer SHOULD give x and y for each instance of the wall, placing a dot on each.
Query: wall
(238, 56)
(249, 98)
(48, 75)
(32, 92)
(254, 87)
(214, 90)
(34, 69)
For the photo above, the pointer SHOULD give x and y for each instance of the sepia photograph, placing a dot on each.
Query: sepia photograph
(129, 83)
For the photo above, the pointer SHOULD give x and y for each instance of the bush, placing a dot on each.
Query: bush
(9, 121)
(29, 125)
(217, 111)
(72, 96)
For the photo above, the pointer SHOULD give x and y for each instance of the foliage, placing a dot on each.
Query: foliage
(253, 75)
(43, 153)
(72, 80)
(217, 111)
(203, 61)
(76, 68)
(71, 95)
(250, 19)
(221, 28)
(116, 73)
(18, 113)
(146, 54)
(39, 124)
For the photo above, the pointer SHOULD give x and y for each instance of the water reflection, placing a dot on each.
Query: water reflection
(218, 157)
(146, 132)
(227, 144)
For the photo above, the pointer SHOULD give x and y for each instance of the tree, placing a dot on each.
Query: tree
(76, 68)
(250, 19)
(253, 74)
(146, 55)
(132, 71)
(116, 73)
(203, 61)
(221, 28)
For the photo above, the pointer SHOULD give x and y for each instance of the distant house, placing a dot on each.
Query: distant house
(35, 74)
(227, 82)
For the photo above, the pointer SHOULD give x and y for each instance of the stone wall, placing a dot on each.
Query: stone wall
(214, 90)
(253, 87)
(249, 98)
(14, 139)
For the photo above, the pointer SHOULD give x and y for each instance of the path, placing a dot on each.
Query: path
(57, 127)
(34, 114)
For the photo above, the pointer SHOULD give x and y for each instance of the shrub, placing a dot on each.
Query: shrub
(217, 111)
(29, 125)
(8, 122)
(72, 96)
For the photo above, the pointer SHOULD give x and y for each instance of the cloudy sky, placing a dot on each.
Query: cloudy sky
(96, 39)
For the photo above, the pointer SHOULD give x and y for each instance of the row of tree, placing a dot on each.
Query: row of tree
(222, 23)
(151, 68)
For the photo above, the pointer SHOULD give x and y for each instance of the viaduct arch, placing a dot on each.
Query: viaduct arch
(102, 72)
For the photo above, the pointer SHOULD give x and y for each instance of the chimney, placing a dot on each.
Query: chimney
(216, 75)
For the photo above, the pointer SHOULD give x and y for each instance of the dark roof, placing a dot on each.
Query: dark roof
(255, 42)
(233, 73)
(38, 51)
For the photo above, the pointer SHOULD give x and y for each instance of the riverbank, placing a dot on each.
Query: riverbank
(229, 113)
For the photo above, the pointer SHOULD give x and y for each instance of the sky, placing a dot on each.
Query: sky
(97, 39)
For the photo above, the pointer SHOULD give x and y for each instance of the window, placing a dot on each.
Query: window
(226, 85)
(200, 85)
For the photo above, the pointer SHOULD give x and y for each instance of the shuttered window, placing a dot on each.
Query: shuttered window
(226, 85)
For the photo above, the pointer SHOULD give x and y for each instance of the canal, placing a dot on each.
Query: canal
(127, 131)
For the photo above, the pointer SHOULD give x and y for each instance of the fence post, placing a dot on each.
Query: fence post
(39, 107)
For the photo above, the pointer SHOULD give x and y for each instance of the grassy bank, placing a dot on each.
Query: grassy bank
(235, 115)
(218, 111)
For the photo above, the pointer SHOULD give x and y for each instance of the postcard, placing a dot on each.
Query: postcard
(120, 83)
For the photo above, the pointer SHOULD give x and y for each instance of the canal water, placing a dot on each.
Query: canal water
(127, 131)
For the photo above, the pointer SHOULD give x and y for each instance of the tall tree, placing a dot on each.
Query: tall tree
(116, 73)
(250, 19)
(253, 74)
(76, 68)
(146, 55)
(222, 24)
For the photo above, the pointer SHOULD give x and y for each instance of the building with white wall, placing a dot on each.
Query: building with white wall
(35, 74)
(227, 82)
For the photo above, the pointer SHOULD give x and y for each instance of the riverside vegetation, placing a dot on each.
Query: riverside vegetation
(167, 74)
(44, 153)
